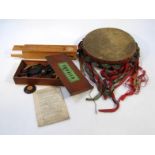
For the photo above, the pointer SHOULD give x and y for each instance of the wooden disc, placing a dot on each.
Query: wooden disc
(109, 44)
(30, 89)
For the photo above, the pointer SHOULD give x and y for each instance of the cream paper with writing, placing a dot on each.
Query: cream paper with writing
(50, 106)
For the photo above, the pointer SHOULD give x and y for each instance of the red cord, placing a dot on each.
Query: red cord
(129, 73)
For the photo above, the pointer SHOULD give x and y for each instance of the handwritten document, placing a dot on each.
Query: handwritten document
(50, 106)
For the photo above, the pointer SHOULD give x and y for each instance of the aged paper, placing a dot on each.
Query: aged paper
(50, 106)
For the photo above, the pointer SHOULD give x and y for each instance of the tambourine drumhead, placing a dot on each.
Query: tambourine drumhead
(109, 44)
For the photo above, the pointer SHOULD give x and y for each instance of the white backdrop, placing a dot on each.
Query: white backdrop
(17, 114)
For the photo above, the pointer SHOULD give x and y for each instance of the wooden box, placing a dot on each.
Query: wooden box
(67, 74)
(71, 77)
(34, 80)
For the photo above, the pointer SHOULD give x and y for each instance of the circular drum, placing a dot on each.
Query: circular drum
(116, 54)
(109, 45)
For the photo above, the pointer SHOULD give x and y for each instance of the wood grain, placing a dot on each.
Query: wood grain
(30, 51)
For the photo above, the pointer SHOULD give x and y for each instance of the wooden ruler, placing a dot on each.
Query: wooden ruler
(31, 51)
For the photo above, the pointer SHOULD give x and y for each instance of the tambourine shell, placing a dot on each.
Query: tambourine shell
(109, 45)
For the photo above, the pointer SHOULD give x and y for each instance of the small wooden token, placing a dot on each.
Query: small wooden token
(30, 89)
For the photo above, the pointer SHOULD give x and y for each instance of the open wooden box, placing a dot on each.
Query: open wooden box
(67, 74)
(34, 80)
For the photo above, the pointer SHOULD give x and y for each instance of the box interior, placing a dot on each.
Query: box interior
(25, 63)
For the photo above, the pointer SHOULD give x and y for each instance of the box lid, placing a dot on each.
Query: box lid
(69, 74)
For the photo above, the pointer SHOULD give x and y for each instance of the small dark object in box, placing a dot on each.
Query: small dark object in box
(36, 73)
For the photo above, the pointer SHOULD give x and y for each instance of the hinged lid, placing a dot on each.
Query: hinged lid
(69, 74)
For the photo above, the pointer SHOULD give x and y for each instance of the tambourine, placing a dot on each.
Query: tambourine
(110, 57)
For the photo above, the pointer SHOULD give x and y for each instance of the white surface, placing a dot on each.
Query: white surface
(17, 114)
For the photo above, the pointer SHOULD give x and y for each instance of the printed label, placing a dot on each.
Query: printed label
(68, 72)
